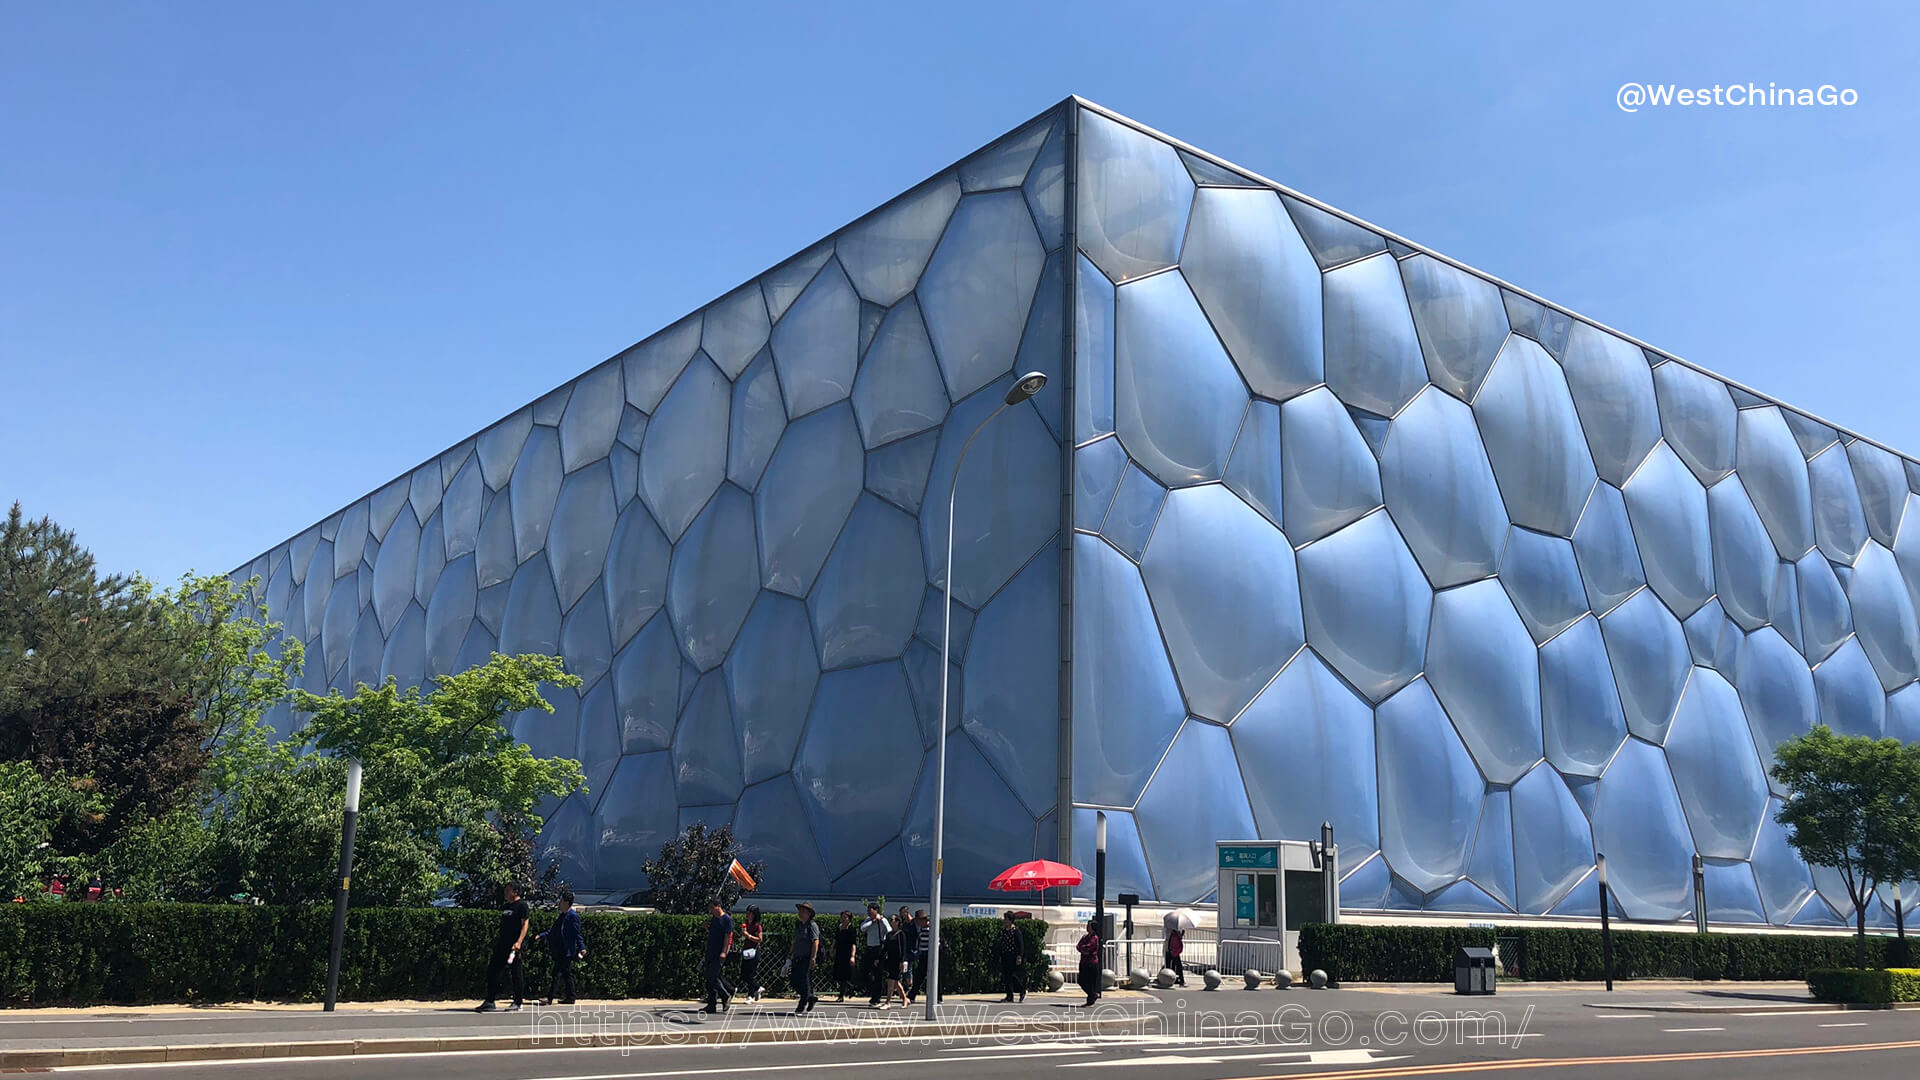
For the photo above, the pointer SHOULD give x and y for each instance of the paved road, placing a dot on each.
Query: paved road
(1347, 1035)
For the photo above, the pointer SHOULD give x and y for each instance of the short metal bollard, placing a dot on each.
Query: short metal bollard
(1473, 970)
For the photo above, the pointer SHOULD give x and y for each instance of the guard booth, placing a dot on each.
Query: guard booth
(1268, 889)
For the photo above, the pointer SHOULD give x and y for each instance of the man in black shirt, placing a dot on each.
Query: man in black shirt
(507, 957)
(719, 943)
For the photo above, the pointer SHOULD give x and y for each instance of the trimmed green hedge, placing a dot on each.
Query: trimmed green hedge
(83, 954)
(1866, 986)
(1357, 953)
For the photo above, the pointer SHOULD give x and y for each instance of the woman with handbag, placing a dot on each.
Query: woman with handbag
(752, 938)
(1089, 950)
(1176, 944)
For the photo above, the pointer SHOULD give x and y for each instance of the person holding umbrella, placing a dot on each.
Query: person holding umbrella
(1177, 923)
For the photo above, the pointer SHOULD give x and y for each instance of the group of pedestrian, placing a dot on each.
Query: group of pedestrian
(564, 942)
(888, 957)
(1092, 973)
(801, 957)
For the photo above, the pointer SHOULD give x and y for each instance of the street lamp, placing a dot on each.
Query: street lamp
(1023, 388)
(1100, 870)
(340, 890)
(1699, 895)
(1606, 928)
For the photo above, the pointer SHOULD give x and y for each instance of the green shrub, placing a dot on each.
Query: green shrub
(1866, 986)
(1354, 953)
(1357, 953)
(124, 953)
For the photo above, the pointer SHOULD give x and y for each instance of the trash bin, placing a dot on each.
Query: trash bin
(1473, 970)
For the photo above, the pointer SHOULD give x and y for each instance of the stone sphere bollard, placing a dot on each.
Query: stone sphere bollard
(1282, 980)
(1211, 978)
(1108, 980)
(1252, 978)
(1138, 979)
(1164, 980)
(1317, 979)
(1055, 980)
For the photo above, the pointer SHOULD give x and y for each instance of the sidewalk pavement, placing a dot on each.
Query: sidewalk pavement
(45, 1038)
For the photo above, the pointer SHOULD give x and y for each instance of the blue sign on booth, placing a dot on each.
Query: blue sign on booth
(1249, 857)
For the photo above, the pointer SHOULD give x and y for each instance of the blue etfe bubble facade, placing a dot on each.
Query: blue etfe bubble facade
(1308, 524)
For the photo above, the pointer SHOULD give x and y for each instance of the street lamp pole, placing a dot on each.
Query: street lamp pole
(340, 890)
(1023, 388)
(1606, 928)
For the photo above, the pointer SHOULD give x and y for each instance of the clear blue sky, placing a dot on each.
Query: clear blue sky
(256, 259)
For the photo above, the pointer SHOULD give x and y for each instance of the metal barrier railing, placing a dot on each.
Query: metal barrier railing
(1238, 957)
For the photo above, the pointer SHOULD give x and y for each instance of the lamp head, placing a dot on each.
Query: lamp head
(1600, 865)
(1026, 386)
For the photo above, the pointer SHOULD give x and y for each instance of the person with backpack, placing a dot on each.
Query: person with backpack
(567, 945)
(1012, 974)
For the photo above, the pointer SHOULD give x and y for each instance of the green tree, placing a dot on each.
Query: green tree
(33, 808)
(92, 680)
(691, 870)
(1853, 805)
(235, 664)
(441, 769)
(507, 851)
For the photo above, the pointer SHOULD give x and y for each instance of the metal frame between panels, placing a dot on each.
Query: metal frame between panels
(1069, 321)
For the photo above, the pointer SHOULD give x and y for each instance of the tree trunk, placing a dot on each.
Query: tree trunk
(1860, 935)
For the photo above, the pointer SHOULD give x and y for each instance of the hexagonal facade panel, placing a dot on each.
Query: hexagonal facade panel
(1259, 285)
(1177, 399)
(1227, 642)
(1534, 440)
(1721, 784)
(1430, 791)
(1648, 577)
(1373, 354)
(1440, 490)
(1481, 663)
(1366, 605)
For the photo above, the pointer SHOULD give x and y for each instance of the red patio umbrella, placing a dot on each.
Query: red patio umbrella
(1038, 875)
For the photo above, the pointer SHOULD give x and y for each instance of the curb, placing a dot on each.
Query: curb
(692, 1035)
(1784, 1008)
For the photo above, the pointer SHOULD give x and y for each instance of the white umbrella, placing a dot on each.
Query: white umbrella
(1181, 921)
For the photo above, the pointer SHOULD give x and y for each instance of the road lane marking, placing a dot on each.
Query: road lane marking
(363, 1059)
(1694, 1029)
(1310, 1057)
(1451, 1068)
(1856, 1023)
(1625, 1016)
(737, 1069)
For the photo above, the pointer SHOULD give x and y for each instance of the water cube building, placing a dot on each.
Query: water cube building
(1310, 523)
